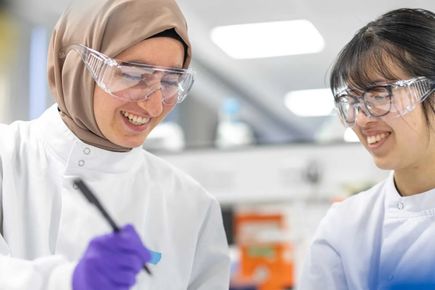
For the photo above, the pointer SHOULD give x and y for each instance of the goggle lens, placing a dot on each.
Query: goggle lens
(395, 99)
(135, 82)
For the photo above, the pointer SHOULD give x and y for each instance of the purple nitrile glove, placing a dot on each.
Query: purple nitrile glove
(111, 262)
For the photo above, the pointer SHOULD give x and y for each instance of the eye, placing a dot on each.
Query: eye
(379, 98)
(171, 80)
(129, 73)
(132, 77)
(377, 95)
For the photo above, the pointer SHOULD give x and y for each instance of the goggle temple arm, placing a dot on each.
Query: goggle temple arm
(95, 62)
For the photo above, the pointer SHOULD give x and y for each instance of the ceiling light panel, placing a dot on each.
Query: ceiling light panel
(268, 39)
(310, 103)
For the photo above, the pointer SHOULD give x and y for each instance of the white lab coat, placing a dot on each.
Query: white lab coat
(374, 240)
(47, 224)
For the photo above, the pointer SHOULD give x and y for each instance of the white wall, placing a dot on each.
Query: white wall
(279, 173)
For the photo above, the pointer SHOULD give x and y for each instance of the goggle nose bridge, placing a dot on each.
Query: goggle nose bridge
(361, 106)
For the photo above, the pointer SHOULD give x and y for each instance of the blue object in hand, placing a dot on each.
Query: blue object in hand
(111, 262)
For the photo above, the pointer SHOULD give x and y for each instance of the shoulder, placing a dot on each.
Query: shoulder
(21, 131)
(15, 135)
(23, 139)
(360, 202)
(355, 214)
(346, 242)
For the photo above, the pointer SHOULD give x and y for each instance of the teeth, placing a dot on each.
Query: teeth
(134, 119)
(376, 138)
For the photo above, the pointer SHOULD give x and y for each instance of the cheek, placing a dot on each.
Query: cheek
(411, 130)
(104, 107)
(103, 100)
(410, 124)
(358, 133)
(99, 108)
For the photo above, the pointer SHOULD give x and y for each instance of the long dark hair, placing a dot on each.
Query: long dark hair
(402, 38)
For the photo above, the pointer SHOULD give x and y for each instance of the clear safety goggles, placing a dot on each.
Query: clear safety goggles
(395, 99)
(134, 82)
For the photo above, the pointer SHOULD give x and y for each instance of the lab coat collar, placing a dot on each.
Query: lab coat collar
(76, 154)
(414, 205)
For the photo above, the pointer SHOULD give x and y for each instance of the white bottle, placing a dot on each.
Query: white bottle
(231, 132)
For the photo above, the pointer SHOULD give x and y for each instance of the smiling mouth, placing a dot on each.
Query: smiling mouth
(377, 138)
(134, 119)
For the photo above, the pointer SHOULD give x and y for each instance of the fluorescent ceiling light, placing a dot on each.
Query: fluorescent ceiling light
(268, 39)
(310, 103)
(350, 136)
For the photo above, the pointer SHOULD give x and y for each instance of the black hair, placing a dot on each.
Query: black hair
(171, 33)
(404, 38)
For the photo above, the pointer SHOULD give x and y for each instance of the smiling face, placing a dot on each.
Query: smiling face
(398, 143)
(127, 124)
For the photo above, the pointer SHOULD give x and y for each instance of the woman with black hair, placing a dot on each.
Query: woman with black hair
(383, 84)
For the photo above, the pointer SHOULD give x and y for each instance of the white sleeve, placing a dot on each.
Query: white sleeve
(323, 268)
(46, 273)
(211, 267)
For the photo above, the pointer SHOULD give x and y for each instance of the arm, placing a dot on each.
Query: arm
(322, 268)
(110, 262)
(45, 273)
(212, 264)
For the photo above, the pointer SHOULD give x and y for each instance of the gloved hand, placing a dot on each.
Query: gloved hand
(111, 261)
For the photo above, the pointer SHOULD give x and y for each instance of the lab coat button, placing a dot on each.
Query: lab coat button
(81, 163)
(87, 150)
(400, 205)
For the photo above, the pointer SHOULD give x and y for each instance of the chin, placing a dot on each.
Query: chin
(133, 144)
(383, 164)
(130, 142)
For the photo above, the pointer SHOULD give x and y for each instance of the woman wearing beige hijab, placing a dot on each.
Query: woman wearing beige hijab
(116, 69)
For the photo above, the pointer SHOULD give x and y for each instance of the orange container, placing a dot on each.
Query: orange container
(266, 257)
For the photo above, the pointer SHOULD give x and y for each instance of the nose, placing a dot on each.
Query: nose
(153, 104)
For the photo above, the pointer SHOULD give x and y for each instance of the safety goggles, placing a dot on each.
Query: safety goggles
(392, 99)
(134, 82)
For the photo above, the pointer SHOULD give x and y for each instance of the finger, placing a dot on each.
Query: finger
(124, 278)
(100, 280)
(116, 275)
(131, 241)
(106, 242)
(121, 260)
(106, 250)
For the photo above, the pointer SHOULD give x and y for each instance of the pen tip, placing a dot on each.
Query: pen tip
(77, 181)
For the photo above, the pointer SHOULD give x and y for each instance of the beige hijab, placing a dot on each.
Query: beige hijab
(108, 26)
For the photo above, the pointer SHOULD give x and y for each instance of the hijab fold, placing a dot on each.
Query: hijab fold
(108, 26)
